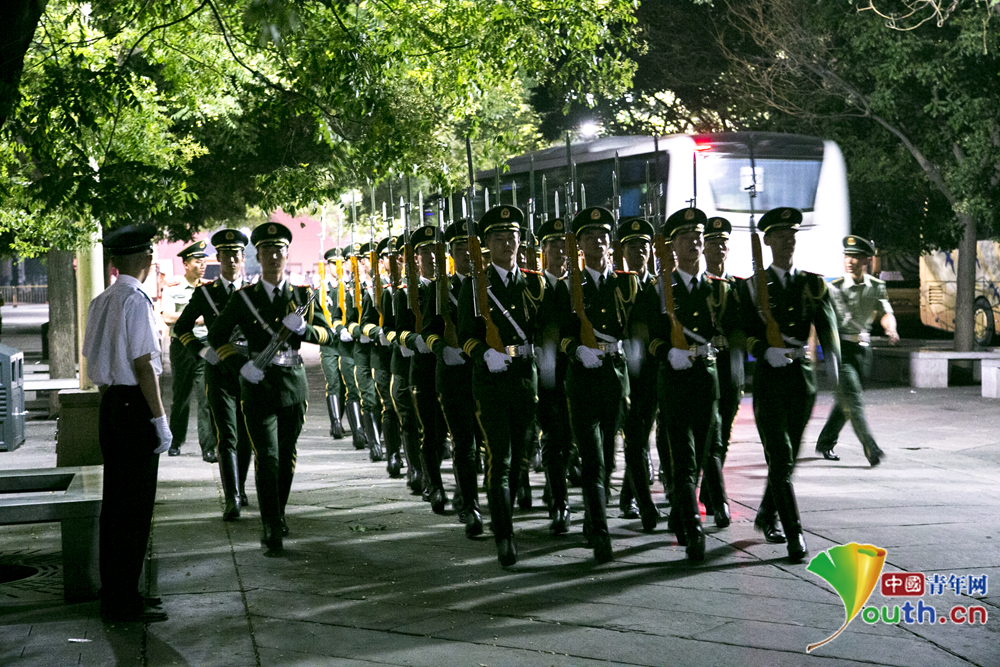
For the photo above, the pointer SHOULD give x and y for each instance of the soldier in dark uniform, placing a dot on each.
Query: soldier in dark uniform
(276, 395)
(352, 405)
(784, 385)
(597, 378)
(503, 382)
(363, 326)
(454, 379)
(188, 369)
(222, 386)
(636, 235)
(330, 354)
(381, 356)
(402, 399)
(688, 382)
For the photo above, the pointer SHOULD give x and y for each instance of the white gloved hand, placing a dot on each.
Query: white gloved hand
(421, 345)
(452, 356)
(294, 323)
(546, 355)
(777, 356)
(406, 352)
(589, 357)
(209, 355)
(345, 335)
(251, 373)
(365, 339)
(382, 339)
(496, 361)
(680, 360)
(635, 353)
(162, 433)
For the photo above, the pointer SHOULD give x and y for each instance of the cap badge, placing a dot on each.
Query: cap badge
(635, 226)
(595, 214)
(230, 236)
(689, 214)
(717, 224)
(558, 225)
(272, 229)
(505, 213)
(851, 241)
(787, 213)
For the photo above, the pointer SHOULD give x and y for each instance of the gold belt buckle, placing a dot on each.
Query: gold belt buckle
(513, 351)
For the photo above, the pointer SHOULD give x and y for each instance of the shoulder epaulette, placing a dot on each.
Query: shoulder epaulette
(716, 278)
(838, 281)
(530, 272)
(876, 281)
(627, 273)
(173, 284)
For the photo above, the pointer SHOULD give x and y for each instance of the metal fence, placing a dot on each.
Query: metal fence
(12, 294)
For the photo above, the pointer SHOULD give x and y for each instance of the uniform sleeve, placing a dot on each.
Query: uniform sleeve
(222, 329)
(184, 326)
(753, 325)
(167, 301)
(140, 334)
(825, 320)
(471, 329)
(433, 323)
(569, 322)
(882, 294)
(406, 323)
(369, 318)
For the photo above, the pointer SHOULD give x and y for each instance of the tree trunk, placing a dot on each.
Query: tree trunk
(965, 277)
(62, 319)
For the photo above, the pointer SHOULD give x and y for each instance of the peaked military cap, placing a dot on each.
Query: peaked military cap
(422, 236)
(129, 240)
(551, 229)
(365, 249)
(501, 219)
(635, 228)
(353, 250)
(271, 233)
(383, 247)
(332, 255)
(595, 216)
(718, 228)
(685, 220)
(457, 231)
(783, 217)
(398, 243)
(229, 239)
(195, 250)
(855, 245)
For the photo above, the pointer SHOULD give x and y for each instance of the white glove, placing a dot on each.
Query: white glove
(589, 357)
(406, 352)
(345, 335)
(365, 339)
(680, 360)
(777, 356)
(421, 345)
(294, 323)
(546, 356)
(162, 433)
(209, 355)
(382, 339)
(251, 373)
(496, 361)
(453, 356)
(635, 352)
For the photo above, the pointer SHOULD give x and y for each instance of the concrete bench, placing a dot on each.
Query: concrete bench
(71, 496)
(928, 367)
(991, 378)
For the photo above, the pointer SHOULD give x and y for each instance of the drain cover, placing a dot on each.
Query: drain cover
(9, 573)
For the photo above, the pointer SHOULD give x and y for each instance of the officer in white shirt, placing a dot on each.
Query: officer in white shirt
(123, 358)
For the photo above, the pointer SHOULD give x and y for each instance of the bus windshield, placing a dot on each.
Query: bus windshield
(780, 182)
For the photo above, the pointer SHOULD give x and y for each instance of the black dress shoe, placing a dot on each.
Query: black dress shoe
(875, 457)
(232, 511)
(770, 529)
(174, 451)
(524, 497)
(473, 523)
(674, 526)
(650, 517)
(270, 539)
(209, 457)
(284, 526)
(438, 500)
(722, 516)
(827, 454)
(506, 551)
(630, 510)
(695, 544)
(797, 549)
(244, 501)
(151, 601)
(560, 521)
(417, 484)
(602, 547)
(394, 466)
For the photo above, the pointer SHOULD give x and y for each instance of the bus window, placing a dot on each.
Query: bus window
(779, 182)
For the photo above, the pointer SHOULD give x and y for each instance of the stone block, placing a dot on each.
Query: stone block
(78, 442)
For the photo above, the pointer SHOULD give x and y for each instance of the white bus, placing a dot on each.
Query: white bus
(791, 170)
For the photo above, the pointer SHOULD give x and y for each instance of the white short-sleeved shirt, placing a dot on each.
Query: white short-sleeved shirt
(120, 329)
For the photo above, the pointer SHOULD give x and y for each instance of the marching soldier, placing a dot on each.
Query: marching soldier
(222, 386)
(352, 404)
(275, 394)
(688, 382)
(454, 379)
(784, 388)
(402, 399)
(187, 367)
(363, 326)
(597, 379)
(503, 382)
(859, 299)
(329, 355)
(381, 355)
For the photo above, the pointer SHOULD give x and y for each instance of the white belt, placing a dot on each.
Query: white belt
(864, 338)
(286, 358)
(518, 351)
(612, 348)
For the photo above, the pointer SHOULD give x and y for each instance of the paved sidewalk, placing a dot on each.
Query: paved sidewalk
(372, 576)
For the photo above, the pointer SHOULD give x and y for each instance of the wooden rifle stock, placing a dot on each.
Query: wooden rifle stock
(413, 287)
(444, 295)
(479, 285)
(587, 337)
(665, 255)
(774, 338)
(341, 296)
(356, 272)
(321, 272)
(376, 284)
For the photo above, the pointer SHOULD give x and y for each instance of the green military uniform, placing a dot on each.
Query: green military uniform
(394, 323)
(381, 360)
(364, 326)
(277, 403)
(345, 344)
(329, 355)
(503, 383)
(222, 386)
(784, 395)
(858, 305)
(187, 368)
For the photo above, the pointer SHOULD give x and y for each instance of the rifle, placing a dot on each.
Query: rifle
(773, 332)
(263, 360)
(443, 284)
(321, 272)
(373, 260)
(480, 298)
(393, 255)
(587, 337)
(355, 269)
(532, 239)
(341, 298)
(616, 205)
(412, 277)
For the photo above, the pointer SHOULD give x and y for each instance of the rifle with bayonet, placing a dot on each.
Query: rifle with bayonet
(374, 261)
(443, 285)
(773, 332)
(665, 255)
(412, 277)
(587, 337)
(532, 240)
(341, 287)
(616, 205)
(480, 298)
(355, 269)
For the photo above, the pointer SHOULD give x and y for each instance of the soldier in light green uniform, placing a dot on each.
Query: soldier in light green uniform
(274, 397)
(859, 299)
(329, 355)
(187, 367)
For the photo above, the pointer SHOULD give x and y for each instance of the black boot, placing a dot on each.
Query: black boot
(354, 419)
(716, 489)
(767, 518)
(638, 484)
(690, 519)
(413, 466)
(598, 520)
(373, 437)
(230, 484)
(336, 425)
(788, 510)
(503, 526)
(270, 539)
(556, 478)
(524, 490)
(390, 433)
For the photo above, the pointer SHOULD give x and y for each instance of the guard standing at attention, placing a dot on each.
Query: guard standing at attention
(122, 350)
(187, 367)
(784, 384)
(859, 299)
(381, 356)
(503, 380)
(221, 385)
(363, 326)
(272, 314)
(329, 355)
(352, 404)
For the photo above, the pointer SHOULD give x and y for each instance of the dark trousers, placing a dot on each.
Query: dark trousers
(346, 362)
(730, 395)
(855, 362)
(430, 418)
(637, 427)
(383, 387)
(189, 377)
(365, 380)
(556, 438)
(273, 431)
(329, 357)
(454, 387)
(223, 390)
(127, 438)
